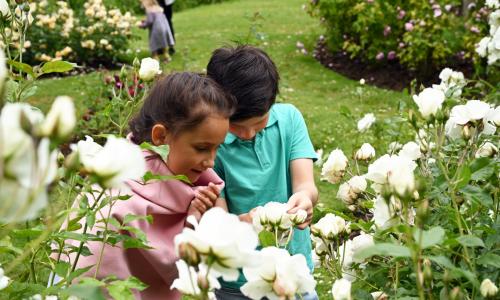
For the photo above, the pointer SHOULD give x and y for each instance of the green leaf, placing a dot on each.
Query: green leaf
(162, 150)
(489, 259)
(483, 173)
(431, 237)
(122, 289)
(62, 268)
(470, 241)
(477, 194)
(77, 273)
(150, 176)
(464, 179)
(383, 249)
(442, 261)
(131, 217)
(266, 239)
(85, 291)
(22, 67)
(57, 67)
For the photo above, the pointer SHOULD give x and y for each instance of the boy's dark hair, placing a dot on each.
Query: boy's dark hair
(249, 75)
(180, 101)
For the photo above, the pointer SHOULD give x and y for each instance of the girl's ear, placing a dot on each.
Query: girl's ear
(160, 135)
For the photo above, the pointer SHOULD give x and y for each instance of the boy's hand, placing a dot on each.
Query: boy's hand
(298, 201)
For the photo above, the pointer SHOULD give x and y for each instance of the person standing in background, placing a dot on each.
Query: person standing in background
(167, 6)
(159, 31)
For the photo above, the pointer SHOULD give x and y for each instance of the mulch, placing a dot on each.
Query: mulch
(390, 75)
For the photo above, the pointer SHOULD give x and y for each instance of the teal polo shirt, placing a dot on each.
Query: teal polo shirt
(258, 171)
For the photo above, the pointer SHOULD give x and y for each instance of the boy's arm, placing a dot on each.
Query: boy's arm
(305, 193)
(221, 202)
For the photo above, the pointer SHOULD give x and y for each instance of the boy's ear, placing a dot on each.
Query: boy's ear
(160, 135)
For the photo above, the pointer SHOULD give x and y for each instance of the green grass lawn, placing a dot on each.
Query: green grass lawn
(320, 94)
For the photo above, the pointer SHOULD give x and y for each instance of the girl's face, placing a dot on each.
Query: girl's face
(193, 151)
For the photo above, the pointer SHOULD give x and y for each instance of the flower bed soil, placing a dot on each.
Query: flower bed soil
(390, 75)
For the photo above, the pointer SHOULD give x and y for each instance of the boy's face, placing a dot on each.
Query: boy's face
(248, 128)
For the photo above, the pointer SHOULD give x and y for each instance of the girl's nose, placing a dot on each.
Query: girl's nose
(208, 163)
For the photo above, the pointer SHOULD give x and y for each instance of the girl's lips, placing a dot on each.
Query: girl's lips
(196, 171)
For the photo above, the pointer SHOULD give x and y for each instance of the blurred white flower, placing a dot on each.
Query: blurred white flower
(361, 242)
(429, 101)
(493, 4)
(381, 212)
(366, 152)
(149, 69)
(487, 149)
(278, 276)
(379, 296)
(223, 239)
(86, 150)
(341, 289)
(116, 162)
(387, 168)
(349, 191)
(190, 280)
(394, 147)
(452, 82)
(411, 150)
(452, 129)
(329, 227)
(319, 153)
(4, 8)
(334, 167)
(471, 111)
(491, 120)
(299, 217)
(362, 81)
(488, 288)
(4, 280)
(61, 119)
(366, 122)
(482, 46)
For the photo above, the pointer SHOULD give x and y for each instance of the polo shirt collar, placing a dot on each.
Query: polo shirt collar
(230, 138)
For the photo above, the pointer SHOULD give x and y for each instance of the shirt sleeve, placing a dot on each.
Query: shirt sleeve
(219, 169)
(301, 145)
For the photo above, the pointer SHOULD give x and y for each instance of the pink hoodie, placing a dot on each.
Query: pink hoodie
(167, 202)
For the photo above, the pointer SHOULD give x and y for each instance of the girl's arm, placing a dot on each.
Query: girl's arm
(149, 21)
(221, 202)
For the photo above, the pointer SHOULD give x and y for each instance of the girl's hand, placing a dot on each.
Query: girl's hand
(195, 210)
(207, 196)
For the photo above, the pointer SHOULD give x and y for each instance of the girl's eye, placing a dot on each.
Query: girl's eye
(200, 149)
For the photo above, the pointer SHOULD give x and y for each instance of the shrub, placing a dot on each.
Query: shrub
(422, 35)
(92, 35)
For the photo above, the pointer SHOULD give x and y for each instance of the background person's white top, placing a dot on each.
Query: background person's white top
(169, 2)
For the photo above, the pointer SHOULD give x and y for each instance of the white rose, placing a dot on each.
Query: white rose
(411, 150)
(362, 81)
(445, 74)
(189, 279)
(491, 121)
(487, 149)
(329, 227)
(61, 120)
(394, 147)
(319, 154)
(341, 289)
(278, 276)
(271, 216)
(401, 179)
(299, 217)
(361, 242)
(86, 150)
(488, 288)
(482, 46)
(473, 110)
(221, 237)
(149, 69)
(4, 8)
(118, 161)
(366, 152)
(334, 167)
(429, 101)
(366, 122)
(452, 129)
(381, 212)
(349, 191)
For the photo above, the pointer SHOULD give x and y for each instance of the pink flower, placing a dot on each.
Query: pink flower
(475, 29)
(387, 30)
(380, 56)
(408, 26)
(401, 45)
(369, 1)
(437, 12)
(391, 55)
(401, 14)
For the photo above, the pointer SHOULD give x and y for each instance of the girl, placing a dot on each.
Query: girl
(189, 113)
(160, 34)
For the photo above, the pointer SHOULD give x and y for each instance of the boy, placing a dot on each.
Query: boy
(267, 154)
